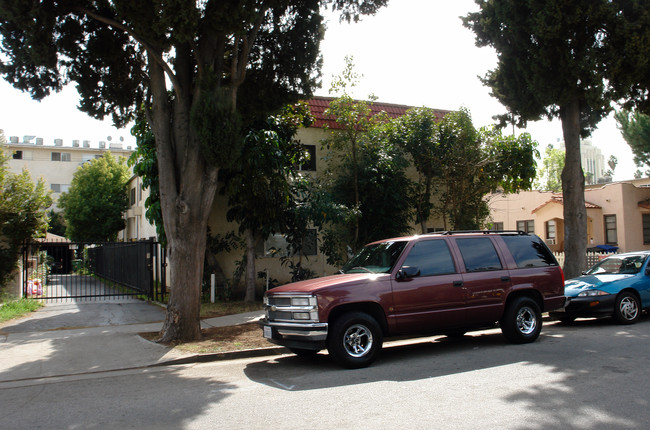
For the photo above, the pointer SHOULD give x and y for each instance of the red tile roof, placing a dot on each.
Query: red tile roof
(560, 200)
(318, 105)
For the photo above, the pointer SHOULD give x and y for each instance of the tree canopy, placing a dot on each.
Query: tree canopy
(204, 70)
(635, 128)
(549, 177)
(23, 207)
(94, 205)
(567, 60)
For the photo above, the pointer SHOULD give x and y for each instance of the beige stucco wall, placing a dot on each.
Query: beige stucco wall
(37, 160)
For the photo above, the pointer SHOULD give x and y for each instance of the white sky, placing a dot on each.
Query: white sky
(414, 52)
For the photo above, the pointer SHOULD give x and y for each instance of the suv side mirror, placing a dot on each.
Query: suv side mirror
(407, 272)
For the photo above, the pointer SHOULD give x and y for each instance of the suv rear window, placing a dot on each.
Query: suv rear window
(529, 251)
(479, 254)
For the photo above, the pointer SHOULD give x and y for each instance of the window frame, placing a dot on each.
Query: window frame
(607, 219)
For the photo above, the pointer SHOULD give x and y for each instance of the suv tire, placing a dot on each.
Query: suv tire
(354, 340)
(522, 320)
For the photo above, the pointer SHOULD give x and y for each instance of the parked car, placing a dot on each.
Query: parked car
(444, 283)
(617, 286)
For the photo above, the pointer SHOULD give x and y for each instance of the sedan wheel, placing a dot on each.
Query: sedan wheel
(627, 309)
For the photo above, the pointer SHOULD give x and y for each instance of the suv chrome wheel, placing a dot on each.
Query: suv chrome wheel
(522, 320)
(357, 340)
(526, 320)
(354, 340)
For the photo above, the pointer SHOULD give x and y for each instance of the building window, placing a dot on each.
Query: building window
(550, 232)
(18, 155)
(59, 188)
(132, 197)
(309, 165)
(646, 229)
(610, 229)
(527, 226)
(60, 156)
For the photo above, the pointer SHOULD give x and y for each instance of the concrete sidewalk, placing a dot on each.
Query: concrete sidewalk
(53, 342)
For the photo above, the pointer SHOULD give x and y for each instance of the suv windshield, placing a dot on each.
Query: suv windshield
(377, 258)
(616, 265)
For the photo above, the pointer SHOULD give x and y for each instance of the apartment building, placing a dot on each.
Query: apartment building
(56, 163)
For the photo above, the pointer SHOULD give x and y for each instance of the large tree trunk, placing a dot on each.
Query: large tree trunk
(187, 192)
(573, 188)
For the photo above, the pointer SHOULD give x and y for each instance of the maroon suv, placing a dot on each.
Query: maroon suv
(443, 283)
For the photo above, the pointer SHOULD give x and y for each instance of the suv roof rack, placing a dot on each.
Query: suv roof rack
(452, 232)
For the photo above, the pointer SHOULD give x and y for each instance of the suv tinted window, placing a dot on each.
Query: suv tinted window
(529, 251)
(432, 257)
(479, 254)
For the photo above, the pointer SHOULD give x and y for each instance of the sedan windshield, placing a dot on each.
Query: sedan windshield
(377, 258)
(618, 265)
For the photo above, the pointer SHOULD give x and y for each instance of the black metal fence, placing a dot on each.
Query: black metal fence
(63, 270)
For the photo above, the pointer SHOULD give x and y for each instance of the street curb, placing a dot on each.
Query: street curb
(218, 356)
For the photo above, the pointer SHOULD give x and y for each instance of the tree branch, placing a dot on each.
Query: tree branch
(148, 47)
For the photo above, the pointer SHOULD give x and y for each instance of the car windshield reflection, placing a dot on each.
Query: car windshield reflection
(376, 258)
(617, 265)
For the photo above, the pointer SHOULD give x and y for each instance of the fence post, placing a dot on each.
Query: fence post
(212, 288)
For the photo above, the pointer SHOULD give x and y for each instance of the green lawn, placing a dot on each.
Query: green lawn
(14, 308)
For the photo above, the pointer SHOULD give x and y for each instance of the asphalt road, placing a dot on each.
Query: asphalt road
(590, 375)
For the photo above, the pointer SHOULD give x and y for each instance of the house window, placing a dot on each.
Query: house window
(610, 229)
(309, 165)
(132, 197)
(497, 226)
(646, 229)
(550, 231)
(277, 245)
(18, 155)
(60, 156)
(527, 226)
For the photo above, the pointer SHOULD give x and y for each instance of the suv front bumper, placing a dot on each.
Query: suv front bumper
(295, 334)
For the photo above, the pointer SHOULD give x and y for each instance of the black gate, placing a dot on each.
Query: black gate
(63, 270)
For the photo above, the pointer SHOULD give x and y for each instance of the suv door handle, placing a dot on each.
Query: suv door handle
(505, 278)
(458, 283)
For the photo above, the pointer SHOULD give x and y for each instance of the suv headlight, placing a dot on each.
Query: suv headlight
(291, 308)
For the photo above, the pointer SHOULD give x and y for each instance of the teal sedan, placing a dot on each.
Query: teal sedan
(617, 286)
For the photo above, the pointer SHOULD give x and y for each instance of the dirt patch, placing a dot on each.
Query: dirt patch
(222, 339)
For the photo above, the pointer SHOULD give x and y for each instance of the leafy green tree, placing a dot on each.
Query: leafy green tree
(472, 163)
(367, 182)
(22, 214)
(94, 205)
(566, 60)
(56, 223)
(354, 118)
(418, 133)
(205, 71)
(260, 189)
(550, 175)
(635, 128)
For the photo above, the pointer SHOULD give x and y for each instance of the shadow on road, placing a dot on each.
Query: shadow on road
(588, 360)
